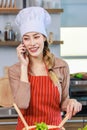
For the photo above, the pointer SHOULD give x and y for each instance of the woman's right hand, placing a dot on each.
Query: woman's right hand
(23, 58)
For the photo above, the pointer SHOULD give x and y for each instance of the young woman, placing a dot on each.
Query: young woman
(40, 81)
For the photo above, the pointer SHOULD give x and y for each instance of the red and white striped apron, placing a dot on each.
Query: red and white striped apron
(44, 104)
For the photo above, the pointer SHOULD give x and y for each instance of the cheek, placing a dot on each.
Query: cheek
(26, 45)
(42, 41)
(42, 45)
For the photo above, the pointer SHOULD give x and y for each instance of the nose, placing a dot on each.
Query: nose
(32, 42)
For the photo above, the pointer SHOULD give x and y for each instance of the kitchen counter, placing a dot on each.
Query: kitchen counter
(8, 113)
(11, 112)
(8, 118)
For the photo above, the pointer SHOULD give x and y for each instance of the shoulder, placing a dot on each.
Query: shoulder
(60, 63)
(61, 69)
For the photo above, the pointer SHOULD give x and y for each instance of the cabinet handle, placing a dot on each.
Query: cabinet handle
(8, 123)
(15, 123)
(84, 120)
(75, 121)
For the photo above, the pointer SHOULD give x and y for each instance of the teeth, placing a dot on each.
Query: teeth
(32, 49)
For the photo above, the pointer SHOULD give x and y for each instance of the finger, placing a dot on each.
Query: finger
(70, 109)
(77, 108)
(69, 112)
(21, 50)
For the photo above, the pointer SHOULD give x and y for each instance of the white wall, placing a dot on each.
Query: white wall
(7, 58)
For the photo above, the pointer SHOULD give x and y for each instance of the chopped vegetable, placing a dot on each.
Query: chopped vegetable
(84, 128)
(41, 126)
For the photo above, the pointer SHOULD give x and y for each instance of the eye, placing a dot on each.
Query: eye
(36, 37)
(26, 39)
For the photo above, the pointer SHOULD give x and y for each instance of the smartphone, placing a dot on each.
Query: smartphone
(26, 52)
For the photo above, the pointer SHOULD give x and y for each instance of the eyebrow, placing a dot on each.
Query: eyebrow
(33, 34)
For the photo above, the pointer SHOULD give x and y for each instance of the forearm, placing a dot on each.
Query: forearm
(22, 97)
(24, 73)
(19, 85)
(64, 104)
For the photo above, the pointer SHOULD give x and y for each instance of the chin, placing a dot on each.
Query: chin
(34, 54)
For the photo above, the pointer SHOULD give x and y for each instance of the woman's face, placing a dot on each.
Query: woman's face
(34, 43)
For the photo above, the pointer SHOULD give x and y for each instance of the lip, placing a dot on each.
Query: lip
(34, 49)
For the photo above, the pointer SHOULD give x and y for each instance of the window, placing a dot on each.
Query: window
(74, 49)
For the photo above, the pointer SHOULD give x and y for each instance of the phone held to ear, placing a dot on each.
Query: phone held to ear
(26, 51)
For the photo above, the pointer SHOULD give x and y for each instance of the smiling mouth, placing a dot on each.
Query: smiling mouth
(34, 49)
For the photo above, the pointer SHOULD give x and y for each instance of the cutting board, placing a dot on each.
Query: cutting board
(6, 99)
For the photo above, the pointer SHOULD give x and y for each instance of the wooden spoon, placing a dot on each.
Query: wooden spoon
(52, 126)
(21, 116)
(31, 127)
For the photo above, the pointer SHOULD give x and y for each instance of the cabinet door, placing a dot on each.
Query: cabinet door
(7, 127)
(8, 124)
(85, 121)
(74, 123)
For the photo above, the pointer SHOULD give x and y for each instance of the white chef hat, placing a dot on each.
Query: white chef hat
(33, 19)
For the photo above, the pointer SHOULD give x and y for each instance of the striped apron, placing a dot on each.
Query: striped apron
(44, 104)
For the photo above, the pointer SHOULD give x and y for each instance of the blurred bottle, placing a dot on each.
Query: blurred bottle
(8, 33)
(0, 35)
(35, 2)
(50, 40)
(31, 2)
(50, 4)
(57, 4)
(38, 3)
(24, 3)
(16, 36)
(45, 4)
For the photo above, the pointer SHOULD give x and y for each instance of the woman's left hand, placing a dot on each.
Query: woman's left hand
(73, 107)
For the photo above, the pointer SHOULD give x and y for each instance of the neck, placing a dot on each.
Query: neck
(37, 66)
(36, 60)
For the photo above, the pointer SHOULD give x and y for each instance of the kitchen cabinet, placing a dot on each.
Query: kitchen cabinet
(8, 118)
(8, 124)
(85, 121)
(75, 123)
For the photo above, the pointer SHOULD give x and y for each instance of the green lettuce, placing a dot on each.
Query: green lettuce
(41, 126)
(84, 128)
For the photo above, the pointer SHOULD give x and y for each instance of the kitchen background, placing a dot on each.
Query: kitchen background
(74, 51)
